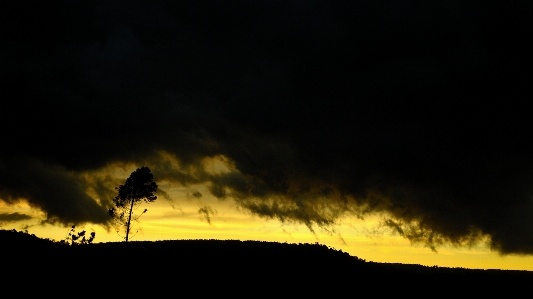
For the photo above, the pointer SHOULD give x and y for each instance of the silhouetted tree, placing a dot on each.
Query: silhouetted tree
(139, 187)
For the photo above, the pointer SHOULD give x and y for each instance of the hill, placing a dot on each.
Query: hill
(219, 264)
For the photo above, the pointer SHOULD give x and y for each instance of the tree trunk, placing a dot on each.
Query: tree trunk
(129, 220)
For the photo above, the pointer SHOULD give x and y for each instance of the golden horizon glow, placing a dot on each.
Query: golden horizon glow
(361, 238)
(178, 218)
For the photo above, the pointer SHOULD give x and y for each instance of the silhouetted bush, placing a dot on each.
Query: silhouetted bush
(73, 239)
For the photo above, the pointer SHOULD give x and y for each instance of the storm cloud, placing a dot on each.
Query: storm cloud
(319, 110)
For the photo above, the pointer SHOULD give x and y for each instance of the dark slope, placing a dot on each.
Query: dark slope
(217, 267)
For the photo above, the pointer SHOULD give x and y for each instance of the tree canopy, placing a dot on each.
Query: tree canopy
(138, 188)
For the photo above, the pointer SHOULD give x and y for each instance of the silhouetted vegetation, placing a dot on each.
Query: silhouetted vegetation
(267, 267)
(79, 238)
(139, 187)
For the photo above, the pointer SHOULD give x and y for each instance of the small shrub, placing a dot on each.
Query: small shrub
(79, 238)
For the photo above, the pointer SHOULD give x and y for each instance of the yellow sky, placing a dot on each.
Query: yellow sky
(364, 239)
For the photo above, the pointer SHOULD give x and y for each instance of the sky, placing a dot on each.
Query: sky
(394, 130)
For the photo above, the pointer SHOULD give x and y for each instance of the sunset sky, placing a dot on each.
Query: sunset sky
(396, 131)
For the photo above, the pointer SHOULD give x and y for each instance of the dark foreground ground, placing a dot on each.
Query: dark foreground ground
(236, 268)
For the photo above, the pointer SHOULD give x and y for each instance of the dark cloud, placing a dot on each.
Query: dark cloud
(60, 194)
(206, 212)
(13, 217)
(320, 109)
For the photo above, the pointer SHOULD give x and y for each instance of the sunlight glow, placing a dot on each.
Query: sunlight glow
(179, 219)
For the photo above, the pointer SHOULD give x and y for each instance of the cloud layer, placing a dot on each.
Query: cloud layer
(317, 110)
